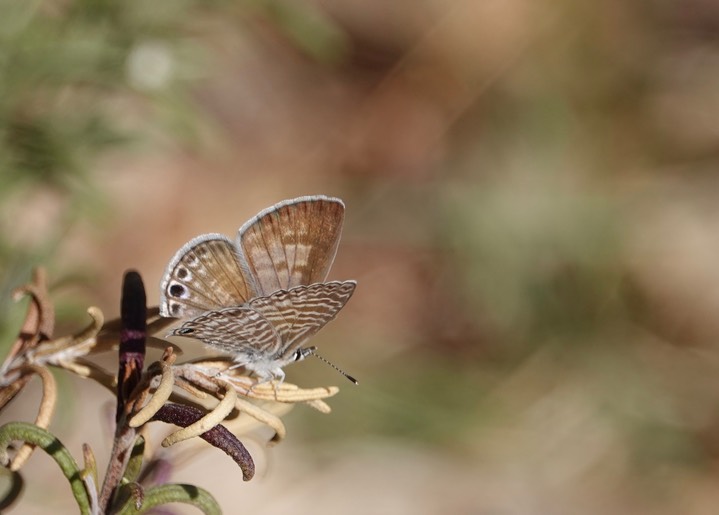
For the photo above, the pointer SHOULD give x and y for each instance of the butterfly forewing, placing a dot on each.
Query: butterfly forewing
(205, 274)
(293, 243)
(239, 330)
(297, 314)
(273, 326)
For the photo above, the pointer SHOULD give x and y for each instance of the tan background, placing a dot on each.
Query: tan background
(532, 219)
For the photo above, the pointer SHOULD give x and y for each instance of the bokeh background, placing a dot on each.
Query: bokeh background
(532, 217)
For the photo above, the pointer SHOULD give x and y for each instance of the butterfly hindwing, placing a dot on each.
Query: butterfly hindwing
(205, 274)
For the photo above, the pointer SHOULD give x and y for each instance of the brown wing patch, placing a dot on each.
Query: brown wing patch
(293, 243)
(205, 274)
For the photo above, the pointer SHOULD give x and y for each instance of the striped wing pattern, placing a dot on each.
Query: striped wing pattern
(265, 333)
(238, 330)
(205, 274)
(289, 244)
(293, 243)
(297, 314)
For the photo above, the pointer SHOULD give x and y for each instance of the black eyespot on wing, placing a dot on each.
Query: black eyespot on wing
(182, 273)
(177, 290)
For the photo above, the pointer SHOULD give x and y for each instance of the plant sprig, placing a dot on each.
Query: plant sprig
(144, 395)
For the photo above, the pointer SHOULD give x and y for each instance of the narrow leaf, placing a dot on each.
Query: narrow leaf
(50, 444)
(165, 494)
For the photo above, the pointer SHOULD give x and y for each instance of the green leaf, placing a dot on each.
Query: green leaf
(165, 494)
(46, 441)
(134, 465)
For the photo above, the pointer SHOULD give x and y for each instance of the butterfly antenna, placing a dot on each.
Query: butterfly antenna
(338, 369)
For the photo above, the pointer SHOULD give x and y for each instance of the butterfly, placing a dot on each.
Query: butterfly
(261, 297)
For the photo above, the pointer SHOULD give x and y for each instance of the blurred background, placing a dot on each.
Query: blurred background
(532, 217)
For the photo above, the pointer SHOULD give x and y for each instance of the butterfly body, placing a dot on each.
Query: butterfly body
(263, 296)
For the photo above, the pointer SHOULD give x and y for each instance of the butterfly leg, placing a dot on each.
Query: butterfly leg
(276, 377)
(262, 376)
(233, 367)
(279, 375)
